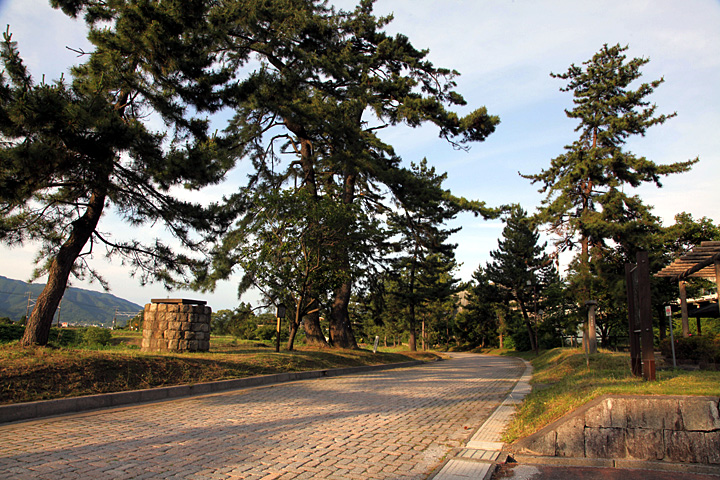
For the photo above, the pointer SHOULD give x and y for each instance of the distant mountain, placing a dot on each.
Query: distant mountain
(79, 306)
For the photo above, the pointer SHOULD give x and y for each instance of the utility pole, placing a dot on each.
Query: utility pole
(58, 312)
(27, 309)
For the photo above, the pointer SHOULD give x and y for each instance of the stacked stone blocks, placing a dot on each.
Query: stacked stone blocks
(678, 429)
(176, 325)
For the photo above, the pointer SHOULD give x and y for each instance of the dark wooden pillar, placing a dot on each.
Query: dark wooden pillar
(633, 329)
(717, 278)
(644, 308)
(684, 309)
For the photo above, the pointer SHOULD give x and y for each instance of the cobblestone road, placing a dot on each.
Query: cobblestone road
(396, 424)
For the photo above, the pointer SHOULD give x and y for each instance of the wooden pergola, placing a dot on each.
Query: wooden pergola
(701, 262)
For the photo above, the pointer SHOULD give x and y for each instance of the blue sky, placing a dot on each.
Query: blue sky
(505, 51)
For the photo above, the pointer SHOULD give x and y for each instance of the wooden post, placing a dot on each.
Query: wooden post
(645, 311)
(635, 360)
(684, 309)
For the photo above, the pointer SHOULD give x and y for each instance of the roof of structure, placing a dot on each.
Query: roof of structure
(697, 263)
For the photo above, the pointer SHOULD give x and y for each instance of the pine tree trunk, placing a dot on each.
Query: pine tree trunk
(341, 334)
(412, 339)
(313, 331)
(528, 325)
(37, 331)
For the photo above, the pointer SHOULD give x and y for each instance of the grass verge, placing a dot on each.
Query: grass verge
(30, 374)
(563, 381)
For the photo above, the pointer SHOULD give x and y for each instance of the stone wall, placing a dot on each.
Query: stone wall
(678, 429)
(176, 326)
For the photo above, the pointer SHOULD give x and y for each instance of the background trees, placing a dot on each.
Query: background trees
(310, 127)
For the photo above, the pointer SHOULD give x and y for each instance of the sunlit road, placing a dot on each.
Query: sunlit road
(393, 424)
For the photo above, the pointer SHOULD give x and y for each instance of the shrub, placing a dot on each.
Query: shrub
(66, 337)
(11, 333)
(700, 348)
(96, 336)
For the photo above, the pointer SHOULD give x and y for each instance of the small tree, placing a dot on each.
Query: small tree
(478, 322)
(516, 267)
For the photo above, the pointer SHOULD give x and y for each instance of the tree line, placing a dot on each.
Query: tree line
(330, 222)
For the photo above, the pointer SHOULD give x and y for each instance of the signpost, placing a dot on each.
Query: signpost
(668, 313)
(280, 313)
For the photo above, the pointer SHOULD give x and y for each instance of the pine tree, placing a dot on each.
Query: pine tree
(302, 116)
(585, 186)
(426, 259)
(72, 149)
(478, 321)
(517, 266)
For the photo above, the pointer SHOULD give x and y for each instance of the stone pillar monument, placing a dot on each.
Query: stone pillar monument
(176, 325)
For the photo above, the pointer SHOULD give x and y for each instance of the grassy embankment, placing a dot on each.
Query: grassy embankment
(562, 381)
(46, 373)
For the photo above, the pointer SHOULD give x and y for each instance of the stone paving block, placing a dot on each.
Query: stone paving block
(457, 469)
(391, 424)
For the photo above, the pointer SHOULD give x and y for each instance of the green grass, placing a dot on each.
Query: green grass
(562, 381)
(30, 374)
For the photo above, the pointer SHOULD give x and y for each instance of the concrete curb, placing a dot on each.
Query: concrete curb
(483, 452)
(46, 408)
(619, 464)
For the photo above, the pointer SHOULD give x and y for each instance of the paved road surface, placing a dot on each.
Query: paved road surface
(396, 424)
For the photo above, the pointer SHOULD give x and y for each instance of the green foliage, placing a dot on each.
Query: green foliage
(96, 336)
(314, 89)
(675, 241)
(478, 322)
(67, 337)
(136, 323)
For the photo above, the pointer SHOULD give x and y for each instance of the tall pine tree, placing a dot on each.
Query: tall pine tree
(308, 116)
(71, 150)
(587, 200)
